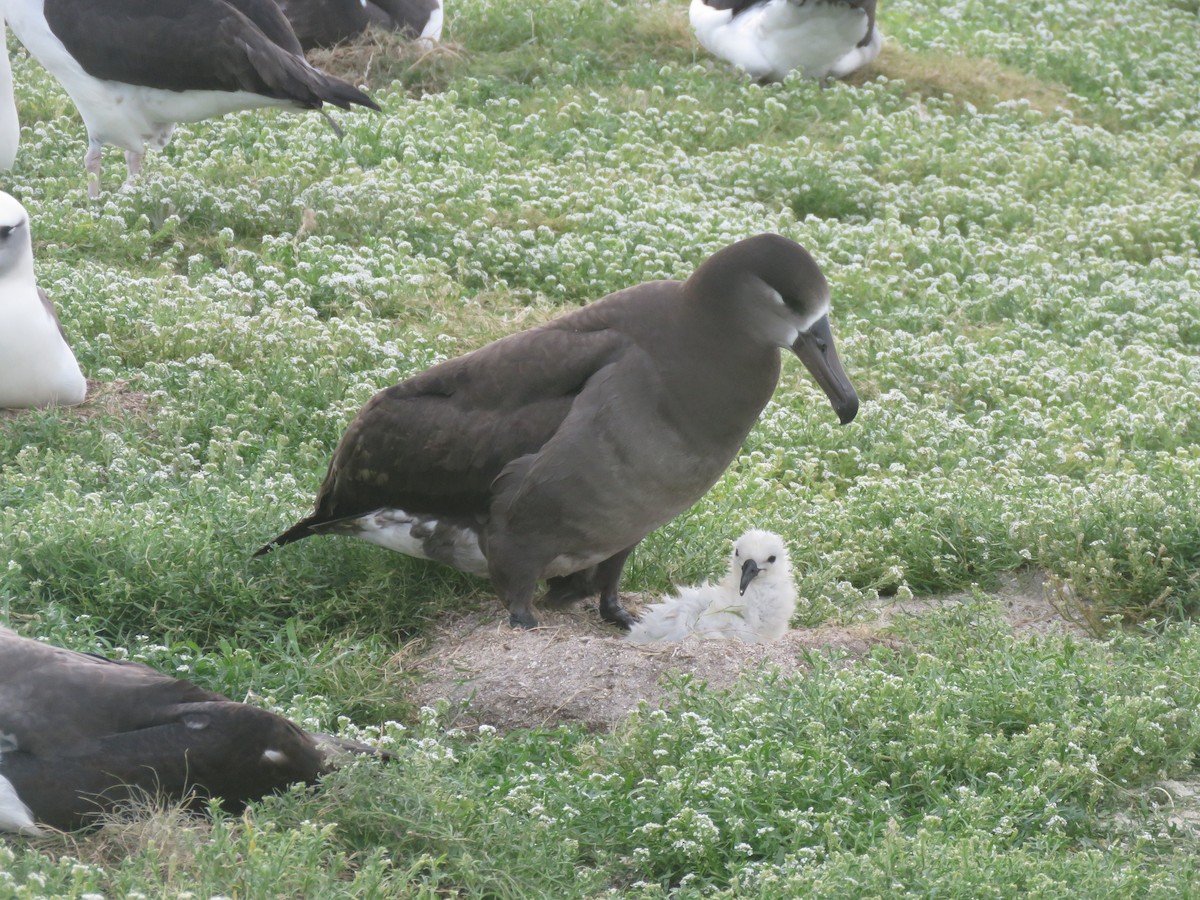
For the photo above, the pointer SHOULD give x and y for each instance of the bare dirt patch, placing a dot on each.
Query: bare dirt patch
(1030, 602)
(111, 398)
(576, 669)
(981, 82)
(1180, 801)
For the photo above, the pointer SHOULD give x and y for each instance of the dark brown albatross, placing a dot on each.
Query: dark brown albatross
(550, 454)
(80, 734)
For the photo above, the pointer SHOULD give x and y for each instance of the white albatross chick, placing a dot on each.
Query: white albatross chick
(753, 602)
(37, 367)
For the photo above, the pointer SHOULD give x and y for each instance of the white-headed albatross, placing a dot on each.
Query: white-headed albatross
(551, 453)
(323, 23)
(134, 68)
(37, 367)
(769, 38)
(81, 734)
(10, 125)
(753, 603)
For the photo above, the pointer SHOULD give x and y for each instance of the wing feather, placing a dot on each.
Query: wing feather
(436, 442)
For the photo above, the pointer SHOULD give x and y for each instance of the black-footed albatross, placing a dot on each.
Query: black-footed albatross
(81, 734)
(551, 453)
(134, 68)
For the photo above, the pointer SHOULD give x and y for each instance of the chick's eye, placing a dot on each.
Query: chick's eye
(770, 559)
(737, 552)
(5, 231)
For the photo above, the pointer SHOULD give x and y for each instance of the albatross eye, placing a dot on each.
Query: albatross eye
(5, 231)
(770, 559)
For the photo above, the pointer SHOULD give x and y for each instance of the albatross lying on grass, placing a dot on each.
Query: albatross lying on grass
(10, 125)
(37, 367)
(323, 23)
(753, 602)
(769, 38)
(134, 68)
(81, 734)
(551, 453)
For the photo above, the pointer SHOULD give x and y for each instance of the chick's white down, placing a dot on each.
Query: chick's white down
(753, 602)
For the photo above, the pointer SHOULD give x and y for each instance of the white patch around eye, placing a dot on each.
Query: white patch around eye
(275, 756)
(8, 743)
(778, 298)
(811, 320)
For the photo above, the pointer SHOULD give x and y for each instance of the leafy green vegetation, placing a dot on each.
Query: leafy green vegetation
(1007, 208)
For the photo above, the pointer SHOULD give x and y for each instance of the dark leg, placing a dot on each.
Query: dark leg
(608, 577)
(562, 592)
(516, 593)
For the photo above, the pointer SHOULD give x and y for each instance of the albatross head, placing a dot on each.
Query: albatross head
(16, 245)
(782, 298)
(760, 554)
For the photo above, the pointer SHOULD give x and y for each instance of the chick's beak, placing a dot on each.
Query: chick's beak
(750, 571)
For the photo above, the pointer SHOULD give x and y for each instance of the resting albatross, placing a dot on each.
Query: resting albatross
(753, 602)
(323, 23)
(37, 367)
(134, 68)
(80, 734)
(10, 125)
(551, 453)
(769, 38)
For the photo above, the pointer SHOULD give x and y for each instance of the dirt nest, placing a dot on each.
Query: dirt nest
(576, 669)
(111, 398)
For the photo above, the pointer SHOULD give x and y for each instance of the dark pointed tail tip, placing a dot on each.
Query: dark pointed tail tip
(345, 95)
(364, 100)
(297, 532)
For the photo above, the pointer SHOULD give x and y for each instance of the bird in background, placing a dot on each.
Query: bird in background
(135, 68)
(37, 365)
(753, 602)
(767, 39)
(323, 23)
(10, 125)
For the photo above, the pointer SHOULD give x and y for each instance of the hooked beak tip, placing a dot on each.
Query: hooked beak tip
(847, 410)
(750, 571)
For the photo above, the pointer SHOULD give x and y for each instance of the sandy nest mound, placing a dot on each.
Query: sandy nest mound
(574, 668)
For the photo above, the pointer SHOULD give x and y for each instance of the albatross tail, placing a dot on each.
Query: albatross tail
(299, 531)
